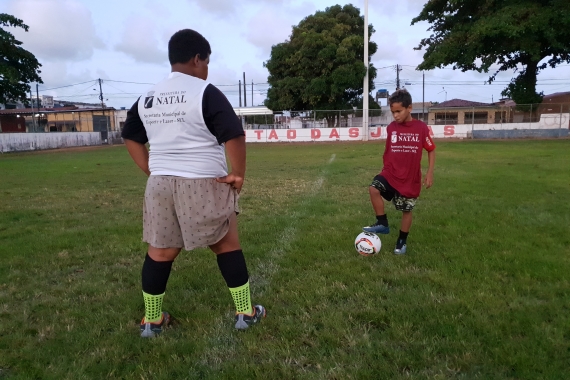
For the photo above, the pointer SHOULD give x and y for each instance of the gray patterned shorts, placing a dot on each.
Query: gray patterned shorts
(191, 213)
(400, 202)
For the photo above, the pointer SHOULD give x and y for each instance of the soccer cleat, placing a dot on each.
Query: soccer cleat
(377, 229)
(152, 329)
(400, 248)
(243, 321)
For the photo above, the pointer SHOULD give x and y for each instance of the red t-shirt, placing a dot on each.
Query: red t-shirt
(403, 156)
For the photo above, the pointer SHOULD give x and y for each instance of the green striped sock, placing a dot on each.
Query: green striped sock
(152, 307)
(242, 298)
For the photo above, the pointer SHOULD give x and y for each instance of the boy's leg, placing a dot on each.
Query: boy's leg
(234, 270)
(160, 229)
(406, 205)
(378, 190)
(406, 221)
(155, 273)
(376, 200)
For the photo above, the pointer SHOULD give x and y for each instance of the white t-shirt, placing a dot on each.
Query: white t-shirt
(184, 142)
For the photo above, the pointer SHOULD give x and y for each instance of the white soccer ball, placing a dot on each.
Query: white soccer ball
(367, 244)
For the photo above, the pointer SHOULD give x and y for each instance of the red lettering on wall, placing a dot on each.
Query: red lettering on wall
(258, 134)
(273, 135)
(291, 134)
(353, 132)
(378, 132)
(334, 133)
(315, 134)
(449, 130)
(430, 131)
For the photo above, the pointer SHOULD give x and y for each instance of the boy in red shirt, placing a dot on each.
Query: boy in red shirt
(400, 180)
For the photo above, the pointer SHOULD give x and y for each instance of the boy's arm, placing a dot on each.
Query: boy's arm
(139, 154)
(235, 149)
(428, 180)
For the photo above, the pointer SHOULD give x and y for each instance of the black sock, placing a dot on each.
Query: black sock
(382, 219)
(233, 268)
(403, 236)
(155, 275)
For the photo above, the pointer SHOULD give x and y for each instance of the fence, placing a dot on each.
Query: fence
(502, 116)
(493, 121)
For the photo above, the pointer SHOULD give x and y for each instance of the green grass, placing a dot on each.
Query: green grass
(482, 293)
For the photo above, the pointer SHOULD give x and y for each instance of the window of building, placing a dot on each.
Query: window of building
(500, 117)
(476, 117)
(446, 118)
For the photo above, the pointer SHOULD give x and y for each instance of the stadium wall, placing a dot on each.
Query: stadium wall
(344, 134)
(19, 142)
(544, 128)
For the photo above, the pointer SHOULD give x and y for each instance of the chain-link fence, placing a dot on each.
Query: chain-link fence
(529, 116)
(497, 116)
(95, 121)
(315, 119)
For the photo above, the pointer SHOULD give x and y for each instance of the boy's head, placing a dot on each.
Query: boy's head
(190, 52)
(401, 106)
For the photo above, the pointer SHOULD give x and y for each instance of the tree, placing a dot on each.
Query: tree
(473, 35)
(321, 66)
(18, 67)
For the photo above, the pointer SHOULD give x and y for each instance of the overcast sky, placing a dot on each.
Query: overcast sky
(79, 41)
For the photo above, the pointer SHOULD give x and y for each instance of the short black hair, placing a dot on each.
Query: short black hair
(186, 44)
(401, 96)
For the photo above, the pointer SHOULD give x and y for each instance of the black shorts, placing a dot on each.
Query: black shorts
(400, 202)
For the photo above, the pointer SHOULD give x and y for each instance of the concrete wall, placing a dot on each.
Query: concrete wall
(19, 142)
(520, 133)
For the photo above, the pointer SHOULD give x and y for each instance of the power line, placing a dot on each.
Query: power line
(121, 81)
(70, 85)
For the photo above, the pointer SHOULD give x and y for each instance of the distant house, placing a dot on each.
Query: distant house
(63, 119)
(459, 111)
(558, 102)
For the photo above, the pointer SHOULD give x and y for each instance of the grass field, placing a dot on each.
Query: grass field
(482, 293)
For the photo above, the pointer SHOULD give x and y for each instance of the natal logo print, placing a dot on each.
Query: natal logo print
(394, 137)
(148, 100)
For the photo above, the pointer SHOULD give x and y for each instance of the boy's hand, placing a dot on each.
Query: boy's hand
(235, 181)
(428, 180)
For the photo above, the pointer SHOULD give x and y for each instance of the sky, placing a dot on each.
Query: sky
(123, 42)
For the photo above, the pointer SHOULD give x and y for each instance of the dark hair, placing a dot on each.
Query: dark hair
(185, 45)
(401, 96)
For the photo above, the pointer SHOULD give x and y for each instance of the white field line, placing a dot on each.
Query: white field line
(261, 276)
(223, 345)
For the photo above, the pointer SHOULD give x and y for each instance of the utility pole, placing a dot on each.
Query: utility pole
(252, 92)
(103, 109)
(423, 96)
(240, 93)
(365, 85)
(37, 97)
(38, 104)
(244, 91)
(101, 94)
(32, 104)
(398, 69)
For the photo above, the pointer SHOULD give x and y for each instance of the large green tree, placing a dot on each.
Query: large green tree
(18, 67)
(321, 66)
(515, 34)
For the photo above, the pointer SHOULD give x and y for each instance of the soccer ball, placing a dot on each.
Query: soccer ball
(367, 244)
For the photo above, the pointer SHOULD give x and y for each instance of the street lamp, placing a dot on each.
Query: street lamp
(366, 90)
